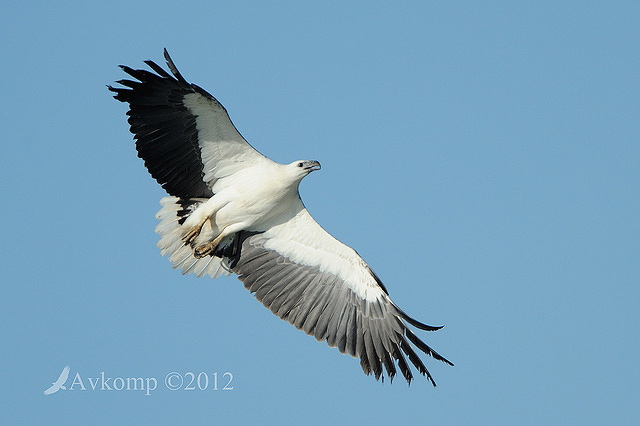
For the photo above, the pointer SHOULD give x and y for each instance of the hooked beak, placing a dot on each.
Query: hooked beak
(311, 166)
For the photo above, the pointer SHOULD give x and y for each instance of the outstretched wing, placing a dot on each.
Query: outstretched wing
(183, 134)
(323, 287)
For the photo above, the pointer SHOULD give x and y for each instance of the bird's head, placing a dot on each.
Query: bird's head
(302, 168)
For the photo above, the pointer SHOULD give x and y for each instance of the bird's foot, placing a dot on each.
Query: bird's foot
(205, 249)
(193, 233)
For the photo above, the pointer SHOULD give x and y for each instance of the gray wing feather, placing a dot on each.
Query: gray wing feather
(323, 306)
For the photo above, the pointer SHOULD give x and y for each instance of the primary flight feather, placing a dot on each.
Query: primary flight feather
(233, 210)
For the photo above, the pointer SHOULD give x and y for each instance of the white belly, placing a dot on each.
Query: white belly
(248, 200)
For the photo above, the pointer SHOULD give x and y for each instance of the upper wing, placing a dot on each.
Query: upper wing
(323, 287)
(183, 134)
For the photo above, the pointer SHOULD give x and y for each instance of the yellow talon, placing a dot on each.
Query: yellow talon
(204, 250)
(193, 233)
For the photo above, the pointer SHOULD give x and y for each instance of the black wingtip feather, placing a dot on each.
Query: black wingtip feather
(173, 68)
(425, 348)
(402, 364)
(157, 68)
(417, 323)
(415, 360)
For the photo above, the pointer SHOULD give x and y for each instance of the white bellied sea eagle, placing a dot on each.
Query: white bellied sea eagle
(232, 210)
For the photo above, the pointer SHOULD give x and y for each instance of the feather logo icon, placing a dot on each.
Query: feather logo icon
(59, 384)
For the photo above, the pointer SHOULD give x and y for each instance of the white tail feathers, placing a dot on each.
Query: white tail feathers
(171, 244)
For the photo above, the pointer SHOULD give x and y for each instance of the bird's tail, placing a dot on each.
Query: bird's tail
(172, 216)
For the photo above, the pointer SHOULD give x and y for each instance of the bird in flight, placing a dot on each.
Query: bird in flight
(230, 209)
(59, 384)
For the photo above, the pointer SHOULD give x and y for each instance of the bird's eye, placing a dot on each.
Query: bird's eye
(299, 164)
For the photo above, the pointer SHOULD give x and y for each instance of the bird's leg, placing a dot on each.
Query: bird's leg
(209, 248)
(193, 233)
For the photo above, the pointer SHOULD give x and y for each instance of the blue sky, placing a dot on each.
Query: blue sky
(483, 157)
